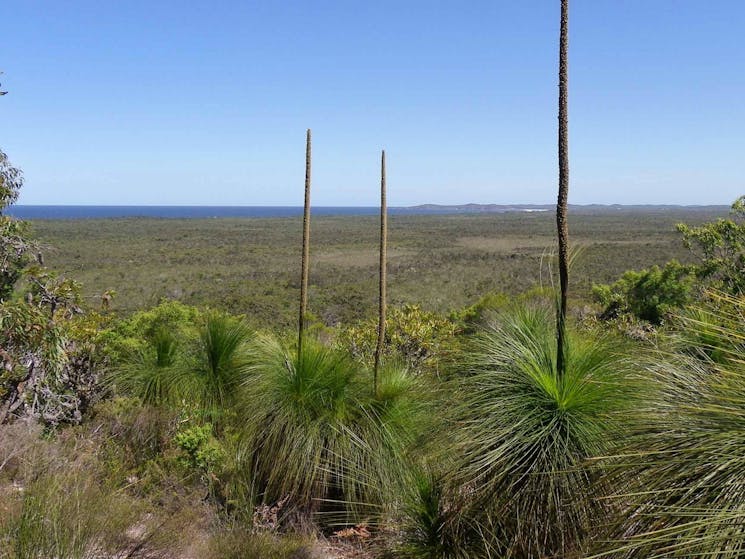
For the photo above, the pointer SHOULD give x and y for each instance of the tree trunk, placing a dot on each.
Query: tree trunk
(383, 273)
(561, 206)
(306, 250)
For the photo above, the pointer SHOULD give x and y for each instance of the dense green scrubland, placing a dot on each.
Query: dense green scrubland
(178, 418)
(128, 425)
(442, 263)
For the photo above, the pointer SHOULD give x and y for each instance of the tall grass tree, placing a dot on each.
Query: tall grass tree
(305, 258)
(562, 225)
(319, 439)
(524, 434)
(383, 273)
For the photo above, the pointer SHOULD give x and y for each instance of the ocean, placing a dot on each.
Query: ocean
(201, 212)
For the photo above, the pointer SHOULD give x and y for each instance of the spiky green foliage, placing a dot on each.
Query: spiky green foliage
(317, 433)
(435, 525)
(205, 376)
(713, 328)
(526, 432)
(150, 373)
(682, 481)
(223, 363)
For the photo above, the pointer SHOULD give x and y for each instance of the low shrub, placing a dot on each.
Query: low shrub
(239, 543)
(650, 294)
(422, 340)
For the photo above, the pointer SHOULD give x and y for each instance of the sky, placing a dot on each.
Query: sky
(193, 103)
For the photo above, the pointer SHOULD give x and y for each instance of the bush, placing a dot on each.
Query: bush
(201, 373)
(649, 294)
(201, 450)
(421, 339)
(141, 331)
(239, 543)
(472, 317)
(721, 249)
(50, 364)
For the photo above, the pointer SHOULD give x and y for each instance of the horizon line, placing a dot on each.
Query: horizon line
(460, 205)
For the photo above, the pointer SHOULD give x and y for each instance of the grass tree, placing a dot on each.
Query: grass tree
(383, 273)
(204, 374)
(538, 404)
(680, 484)
(524, 434)
(222, 364)
(561, 205)
(150, 372)
(305, 259)
(318, 438)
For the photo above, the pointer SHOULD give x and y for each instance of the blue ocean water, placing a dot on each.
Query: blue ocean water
(97, 212)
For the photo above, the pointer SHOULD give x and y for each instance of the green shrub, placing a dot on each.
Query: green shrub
(421, 339)
(201, 450)
(201, 373)
(649, 294)
(473, 316)
(721, 248)
(141, 331)
(239, 543)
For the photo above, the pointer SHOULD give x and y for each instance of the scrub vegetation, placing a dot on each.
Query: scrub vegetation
(442, 263)
(127, 425)
(441, 391)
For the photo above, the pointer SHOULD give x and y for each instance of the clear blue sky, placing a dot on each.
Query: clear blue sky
(155, 102)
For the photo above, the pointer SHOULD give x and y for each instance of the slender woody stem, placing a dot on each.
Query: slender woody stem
(561, 205)
(383, 272)
(306, 250)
